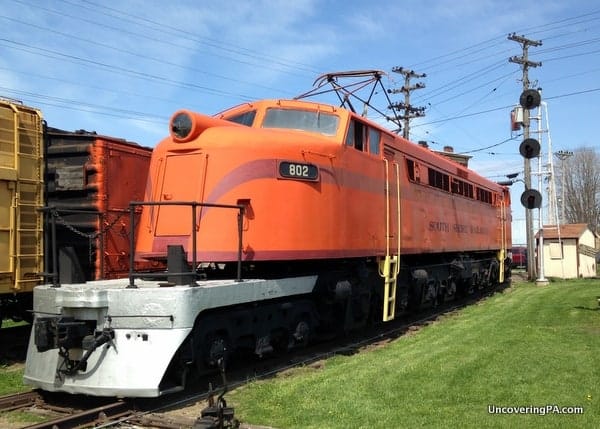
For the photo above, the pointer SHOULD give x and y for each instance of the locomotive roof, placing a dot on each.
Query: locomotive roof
(396, 141)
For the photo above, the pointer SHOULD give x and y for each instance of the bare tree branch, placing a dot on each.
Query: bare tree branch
(581, 181)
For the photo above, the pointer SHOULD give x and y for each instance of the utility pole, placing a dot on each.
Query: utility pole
(410, 112)
(525, 63)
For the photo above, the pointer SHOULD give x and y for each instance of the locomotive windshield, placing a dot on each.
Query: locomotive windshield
(305, 120)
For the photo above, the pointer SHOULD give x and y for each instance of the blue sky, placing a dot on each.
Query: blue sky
(123, 68)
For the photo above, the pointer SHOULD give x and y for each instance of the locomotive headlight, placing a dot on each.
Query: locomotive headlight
(186, 125)
(181, 126)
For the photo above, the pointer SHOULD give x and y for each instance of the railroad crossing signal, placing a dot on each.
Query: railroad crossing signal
(530, 99)
(531, 199)
(529, 148)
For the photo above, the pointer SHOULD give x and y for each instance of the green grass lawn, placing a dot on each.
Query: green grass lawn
(7, 323)
(11, 380)
(527, 347)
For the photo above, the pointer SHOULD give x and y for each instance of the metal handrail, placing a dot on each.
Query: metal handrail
(193, 205)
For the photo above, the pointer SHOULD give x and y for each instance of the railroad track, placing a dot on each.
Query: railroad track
(66, 412)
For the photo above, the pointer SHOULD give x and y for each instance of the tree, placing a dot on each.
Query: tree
(581, 180)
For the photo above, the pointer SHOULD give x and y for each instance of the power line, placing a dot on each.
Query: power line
(65, 103)
(220, 44)
(111, 68)
(480, 47)
(161, 61)
(495, 109)
(170, 43)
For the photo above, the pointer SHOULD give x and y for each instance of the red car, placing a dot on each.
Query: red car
(519, 256)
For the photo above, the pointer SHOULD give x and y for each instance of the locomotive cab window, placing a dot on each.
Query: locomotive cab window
(313, 121)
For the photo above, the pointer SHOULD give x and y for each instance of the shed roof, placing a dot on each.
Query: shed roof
(573, 230)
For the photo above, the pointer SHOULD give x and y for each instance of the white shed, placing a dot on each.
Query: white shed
(569, 251)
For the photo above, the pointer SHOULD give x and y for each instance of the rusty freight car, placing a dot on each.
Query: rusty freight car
(90, 180)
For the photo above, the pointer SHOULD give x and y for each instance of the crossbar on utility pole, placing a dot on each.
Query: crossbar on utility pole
(409, 110)
(525, 63)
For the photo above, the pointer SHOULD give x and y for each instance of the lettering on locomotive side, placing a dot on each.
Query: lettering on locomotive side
(478, 229)
(458, 228)
(439, 226)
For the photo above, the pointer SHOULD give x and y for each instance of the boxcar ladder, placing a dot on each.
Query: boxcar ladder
(389, 267)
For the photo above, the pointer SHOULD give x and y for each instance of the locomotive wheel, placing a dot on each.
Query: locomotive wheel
(216, 347)
(474, 284)
(302, 331)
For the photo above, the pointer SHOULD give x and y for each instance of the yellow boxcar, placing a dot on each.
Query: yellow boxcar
(21, 198)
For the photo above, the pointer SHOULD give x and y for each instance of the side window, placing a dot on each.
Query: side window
(484, 196)
(246, 118)
(437, 179)
(363, 138)
(356, 135)
(462, 188)
(410, 168)
(374, 137)
(350, 135)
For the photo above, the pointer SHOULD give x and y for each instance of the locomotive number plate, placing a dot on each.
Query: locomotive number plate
(298, 171)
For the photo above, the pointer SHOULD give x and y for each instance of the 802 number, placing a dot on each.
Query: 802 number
(294, 170)
(298, 170)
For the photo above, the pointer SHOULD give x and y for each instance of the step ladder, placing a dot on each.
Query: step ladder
(389, 266)
(389, 269)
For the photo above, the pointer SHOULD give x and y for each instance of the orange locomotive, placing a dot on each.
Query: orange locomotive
(320, 183)
(280, 221)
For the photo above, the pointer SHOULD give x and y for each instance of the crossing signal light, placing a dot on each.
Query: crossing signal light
(529, 148)
(530, 99)
(531, 199)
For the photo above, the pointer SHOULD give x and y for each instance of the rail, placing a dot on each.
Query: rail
(194, 206)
